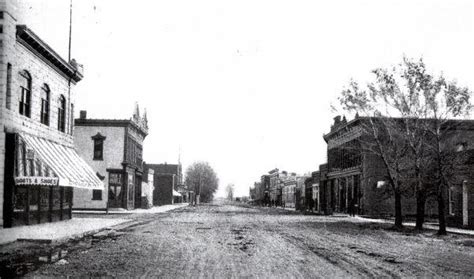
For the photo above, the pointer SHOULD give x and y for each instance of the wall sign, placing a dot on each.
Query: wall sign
(36, 180)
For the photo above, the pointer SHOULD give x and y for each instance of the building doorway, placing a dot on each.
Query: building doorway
(115, 190)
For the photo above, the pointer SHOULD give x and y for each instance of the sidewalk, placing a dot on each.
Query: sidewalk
(155, 209)
(425, 226)
(57, 231)
(76, 227)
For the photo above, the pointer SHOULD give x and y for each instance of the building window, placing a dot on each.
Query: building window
(9, 86)
(451, 201)
(25, 94)
(98, 146)
(45, 94)
(96, 195)
(62, 114)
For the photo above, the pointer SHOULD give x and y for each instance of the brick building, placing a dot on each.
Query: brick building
(356, 178)
(114, 149)
(38, 164)
(167, 179)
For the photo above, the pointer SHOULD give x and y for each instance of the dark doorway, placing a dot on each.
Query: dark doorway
(9, 182)
(138, 191)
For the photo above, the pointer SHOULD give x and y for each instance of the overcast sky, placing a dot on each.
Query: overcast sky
(244, 85)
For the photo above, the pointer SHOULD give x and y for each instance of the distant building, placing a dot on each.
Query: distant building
(38, 164)
(114, 149)
(289, 192)
(167, 179)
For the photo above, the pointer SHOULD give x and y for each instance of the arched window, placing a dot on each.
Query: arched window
(25, 94)
(45, 95)
(62, 114)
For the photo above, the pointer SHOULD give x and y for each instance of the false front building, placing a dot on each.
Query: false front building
(114, 149)
(38, 164)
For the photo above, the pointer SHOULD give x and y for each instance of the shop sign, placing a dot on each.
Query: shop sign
(36, 180)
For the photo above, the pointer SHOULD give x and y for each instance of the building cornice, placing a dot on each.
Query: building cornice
(109, 123)
(32, 42)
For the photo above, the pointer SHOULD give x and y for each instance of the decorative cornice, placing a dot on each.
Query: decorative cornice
(109, 123)
(31, 41)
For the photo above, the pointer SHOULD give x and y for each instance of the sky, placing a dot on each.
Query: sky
(244, 85)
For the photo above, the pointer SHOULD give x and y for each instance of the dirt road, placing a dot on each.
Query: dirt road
(225, 241)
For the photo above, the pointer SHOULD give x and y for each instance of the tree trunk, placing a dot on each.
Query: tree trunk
(398, 210)
(441, 212)
(420, 210)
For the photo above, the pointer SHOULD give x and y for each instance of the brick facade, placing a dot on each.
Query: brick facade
(355, 178)
(18, 53)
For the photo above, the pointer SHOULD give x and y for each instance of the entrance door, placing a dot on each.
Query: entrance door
(115, 190)
(138, 191)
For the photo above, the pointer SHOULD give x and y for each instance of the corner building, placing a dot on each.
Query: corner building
(114, 150)
(38, 164)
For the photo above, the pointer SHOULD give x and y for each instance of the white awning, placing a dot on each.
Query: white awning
(176, 194)
(39, 161)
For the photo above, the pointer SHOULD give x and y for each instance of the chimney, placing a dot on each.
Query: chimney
(337, 120)
(83, 114)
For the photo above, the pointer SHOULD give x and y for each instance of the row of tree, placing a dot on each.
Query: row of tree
(409, 116)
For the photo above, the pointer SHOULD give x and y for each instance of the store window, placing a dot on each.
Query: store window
(25, 93)
(96, 195)
(62, 114)
(45, 94)
(98, 147)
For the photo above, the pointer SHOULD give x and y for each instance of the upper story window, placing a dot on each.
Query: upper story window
(25, 94)
(45, 96)
(9, 86)
(98, 146)
(62, 114)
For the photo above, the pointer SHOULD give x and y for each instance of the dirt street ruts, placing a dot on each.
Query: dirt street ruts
(225, 241)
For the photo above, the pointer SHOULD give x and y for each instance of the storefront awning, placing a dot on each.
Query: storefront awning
(176, 194)
(39, 161)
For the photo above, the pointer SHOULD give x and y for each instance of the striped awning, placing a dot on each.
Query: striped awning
(39, 161)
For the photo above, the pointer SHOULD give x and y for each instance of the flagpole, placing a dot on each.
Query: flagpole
(70, 30)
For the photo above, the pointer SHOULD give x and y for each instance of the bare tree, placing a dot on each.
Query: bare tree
(419, 108)
(229, 189)
(381, 138)
(203, 180)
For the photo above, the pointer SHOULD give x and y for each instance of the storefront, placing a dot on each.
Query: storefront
(39, 179)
